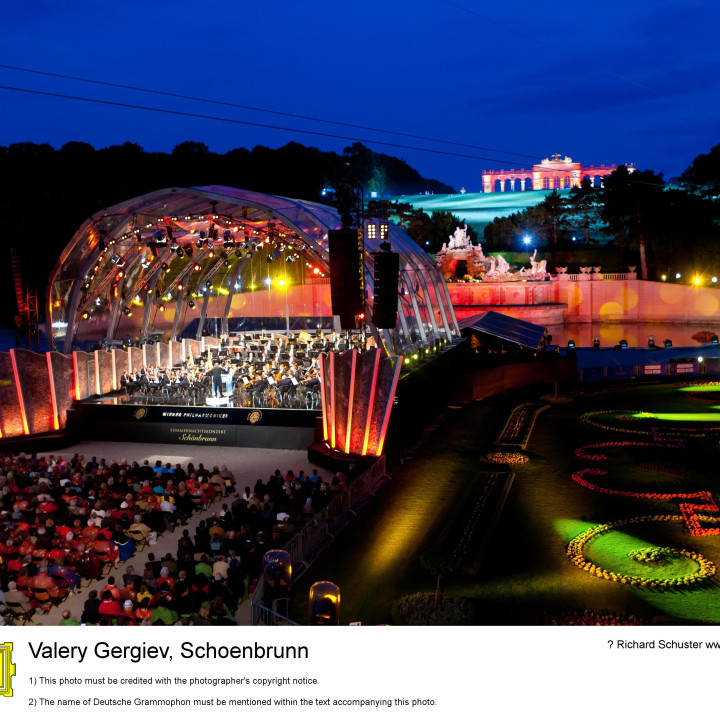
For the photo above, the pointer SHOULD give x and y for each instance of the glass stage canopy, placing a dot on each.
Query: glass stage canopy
(183, 262)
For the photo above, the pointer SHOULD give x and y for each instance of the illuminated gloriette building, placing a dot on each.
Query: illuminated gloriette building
(556, 173)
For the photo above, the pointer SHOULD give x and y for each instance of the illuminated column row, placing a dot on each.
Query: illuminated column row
(36, 391)
(357, 391)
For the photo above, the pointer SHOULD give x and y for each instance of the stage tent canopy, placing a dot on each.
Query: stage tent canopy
(181, 262)
(506, 328)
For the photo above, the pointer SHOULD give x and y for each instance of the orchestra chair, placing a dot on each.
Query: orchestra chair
(16, 612)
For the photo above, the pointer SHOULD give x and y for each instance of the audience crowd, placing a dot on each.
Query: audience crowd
(65, 521)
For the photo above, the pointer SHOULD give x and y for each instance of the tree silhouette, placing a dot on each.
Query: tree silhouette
(439, 565)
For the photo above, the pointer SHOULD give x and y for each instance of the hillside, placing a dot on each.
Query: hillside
(478, 209)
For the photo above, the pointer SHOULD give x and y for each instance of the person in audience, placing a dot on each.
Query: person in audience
(69, 519)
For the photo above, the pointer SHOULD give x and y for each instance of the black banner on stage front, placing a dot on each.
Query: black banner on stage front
(230, 427)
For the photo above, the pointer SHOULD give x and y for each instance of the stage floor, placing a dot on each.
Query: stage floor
(209, 401)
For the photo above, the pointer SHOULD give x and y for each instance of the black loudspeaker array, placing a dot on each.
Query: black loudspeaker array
(347, 282)
(385, 296)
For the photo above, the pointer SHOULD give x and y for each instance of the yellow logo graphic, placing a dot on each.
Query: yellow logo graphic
(7, 669)
(254, 416)
(140, 413)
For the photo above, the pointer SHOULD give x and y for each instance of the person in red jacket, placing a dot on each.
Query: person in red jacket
(109, 606)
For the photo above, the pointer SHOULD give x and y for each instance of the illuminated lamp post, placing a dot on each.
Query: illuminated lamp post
(324, 604)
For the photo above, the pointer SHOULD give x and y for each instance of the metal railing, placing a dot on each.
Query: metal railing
(304, 546)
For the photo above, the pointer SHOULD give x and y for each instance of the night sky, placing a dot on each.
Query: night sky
(610, 82)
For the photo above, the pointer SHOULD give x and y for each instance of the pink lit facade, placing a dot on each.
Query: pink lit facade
(556, 173)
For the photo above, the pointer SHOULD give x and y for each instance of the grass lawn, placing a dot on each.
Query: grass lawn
(526, 575)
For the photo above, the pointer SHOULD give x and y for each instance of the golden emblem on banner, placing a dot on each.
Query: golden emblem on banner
(7, 669)
(140, 413)
(254, 416)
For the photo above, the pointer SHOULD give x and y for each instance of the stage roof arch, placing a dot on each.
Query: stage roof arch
(180, 262)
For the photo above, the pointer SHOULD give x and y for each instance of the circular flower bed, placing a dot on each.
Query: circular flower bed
(653, 555)
(584, 451)
(705, 568)
(500, 458)
(637, 415)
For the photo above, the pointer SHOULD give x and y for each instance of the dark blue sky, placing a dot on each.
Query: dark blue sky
(609, 82)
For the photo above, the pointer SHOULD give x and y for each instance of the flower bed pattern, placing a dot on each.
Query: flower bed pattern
(506, 458)
(519, 425)
(638, 415)
(688, 510)
(589, 617)
(576, 553)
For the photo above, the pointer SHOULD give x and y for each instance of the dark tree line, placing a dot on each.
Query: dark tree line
(46, 194)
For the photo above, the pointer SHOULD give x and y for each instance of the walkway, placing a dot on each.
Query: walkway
(376, 559)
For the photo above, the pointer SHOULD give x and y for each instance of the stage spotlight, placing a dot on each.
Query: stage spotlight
(180, 286)
(180, 252)
(201, 239)
(226, 263)
(228, 240)
(165, 267)
(596, 342)
(571, 344)
(623, 343)
(211, 254)
(667, 343)
(161, 308)
(189, 250)
(85, 315)
(127, 311)
(191, 305)
(238, 253)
